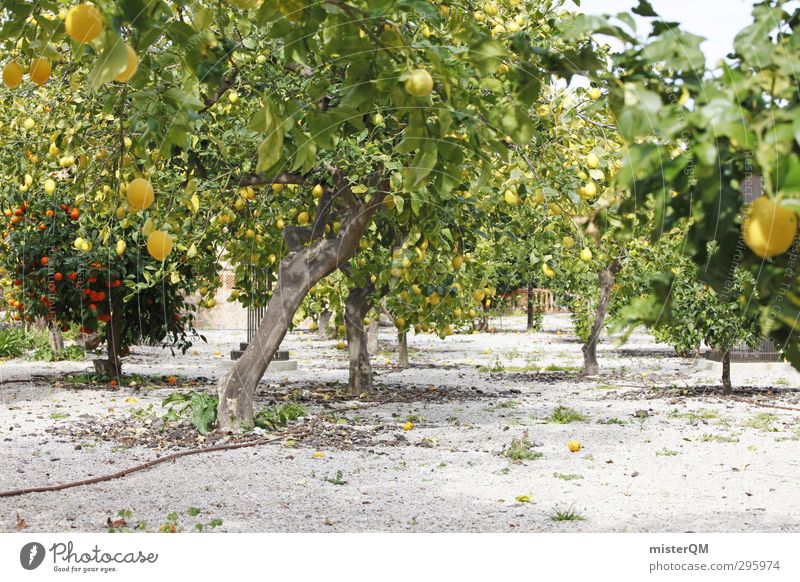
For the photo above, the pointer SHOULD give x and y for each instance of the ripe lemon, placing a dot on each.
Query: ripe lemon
(457, 261)
(511, 197)
(590, 189)
(84, 23)
(303, 218)
(159, 244)
(130, 69)
(592, 160)
(574, 446)
(12, 75)
(548, 271)
(419, 83)
(478, 296)
(39, 71)
(408, 425)
(140, 194)
(316, 192)
(50, 186)
(594, 93)
(768, 228)
(400, 322)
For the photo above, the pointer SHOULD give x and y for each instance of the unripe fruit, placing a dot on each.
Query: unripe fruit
(586, 255)
(49, 186)
(568, 242)
(419, 83)
(594, 93)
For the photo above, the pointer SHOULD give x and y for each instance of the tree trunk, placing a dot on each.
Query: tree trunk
(530, 306)
(324, 325)
(606, 280)
(356, 307)
(302, 268)
(56, 338)
(727, 387)
(402, 360)
(113, 365)
(372, 337)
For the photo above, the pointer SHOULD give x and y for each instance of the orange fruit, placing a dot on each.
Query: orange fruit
(769, 229)
(133, 64)
(84, 23)
(140, 194)
(12, 74)
(159, 244)
(39, 71)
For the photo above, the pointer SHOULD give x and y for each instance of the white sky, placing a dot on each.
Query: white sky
(716, 20)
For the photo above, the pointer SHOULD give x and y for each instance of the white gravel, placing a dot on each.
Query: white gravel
(685, 463)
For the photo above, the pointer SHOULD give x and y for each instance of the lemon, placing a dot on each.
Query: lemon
(586, 255)
(49, 186)
(594, 93)
(768, 228)
(159, 244)
(303, 218)
(140, 194)
(592, 160)
(574, 446)
(130, 68)
(39, 71)
(568, 242)
(419, 83)
(84, 23)
(12, 75)
(457, 261)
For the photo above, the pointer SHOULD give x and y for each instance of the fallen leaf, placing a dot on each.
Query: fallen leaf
(524, 498)
(21, 524)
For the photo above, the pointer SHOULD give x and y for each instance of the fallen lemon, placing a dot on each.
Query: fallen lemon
(408, 425)
(769, 229)
(574, 446)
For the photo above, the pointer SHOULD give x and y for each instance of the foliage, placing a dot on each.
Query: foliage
(46, 354)
(201, 405)
(274, 418)
(521, 450)
(13, 342)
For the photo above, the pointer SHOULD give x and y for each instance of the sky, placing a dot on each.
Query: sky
(716, 20)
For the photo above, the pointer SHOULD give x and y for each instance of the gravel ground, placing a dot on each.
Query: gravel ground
(662, 450)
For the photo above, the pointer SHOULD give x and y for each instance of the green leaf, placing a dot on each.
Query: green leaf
(111, 62)
(270, 150)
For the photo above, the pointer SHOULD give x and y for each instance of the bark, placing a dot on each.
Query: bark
(727, 387)
(56, 339)
(324, 325)
(113, 365)
(606, 280)
(356, 307)
(372, 337)
(402, 359)
(530, 306)
(298, 272)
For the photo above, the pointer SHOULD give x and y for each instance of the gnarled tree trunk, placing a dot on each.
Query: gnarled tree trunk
(356, 307)
(606, 279)
(302, 268)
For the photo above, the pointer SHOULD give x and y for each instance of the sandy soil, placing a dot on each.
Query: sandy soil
(662, 450)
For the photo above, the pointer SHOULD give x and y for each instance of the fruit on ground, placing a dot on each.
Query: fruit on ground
(39, 71)
(130, 69)
(159, 244)
(419, 83)
(408, 425)
(340, 345)
(574, 446)
(12, 75)
(586, 255)
(140, 194)
(84, 23)
(769, 229)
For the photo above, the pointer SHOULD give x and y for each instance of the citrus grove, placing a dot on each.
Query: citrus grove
(412, 160)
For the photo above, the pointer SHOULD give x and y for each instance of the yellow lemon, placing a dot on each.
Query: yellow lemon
(84, 23)
(130, 69)
(768, 228)
(39, 71)
(159, 244)
(586, 255)
(12, 75)
(140, 194)
(574, 446)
